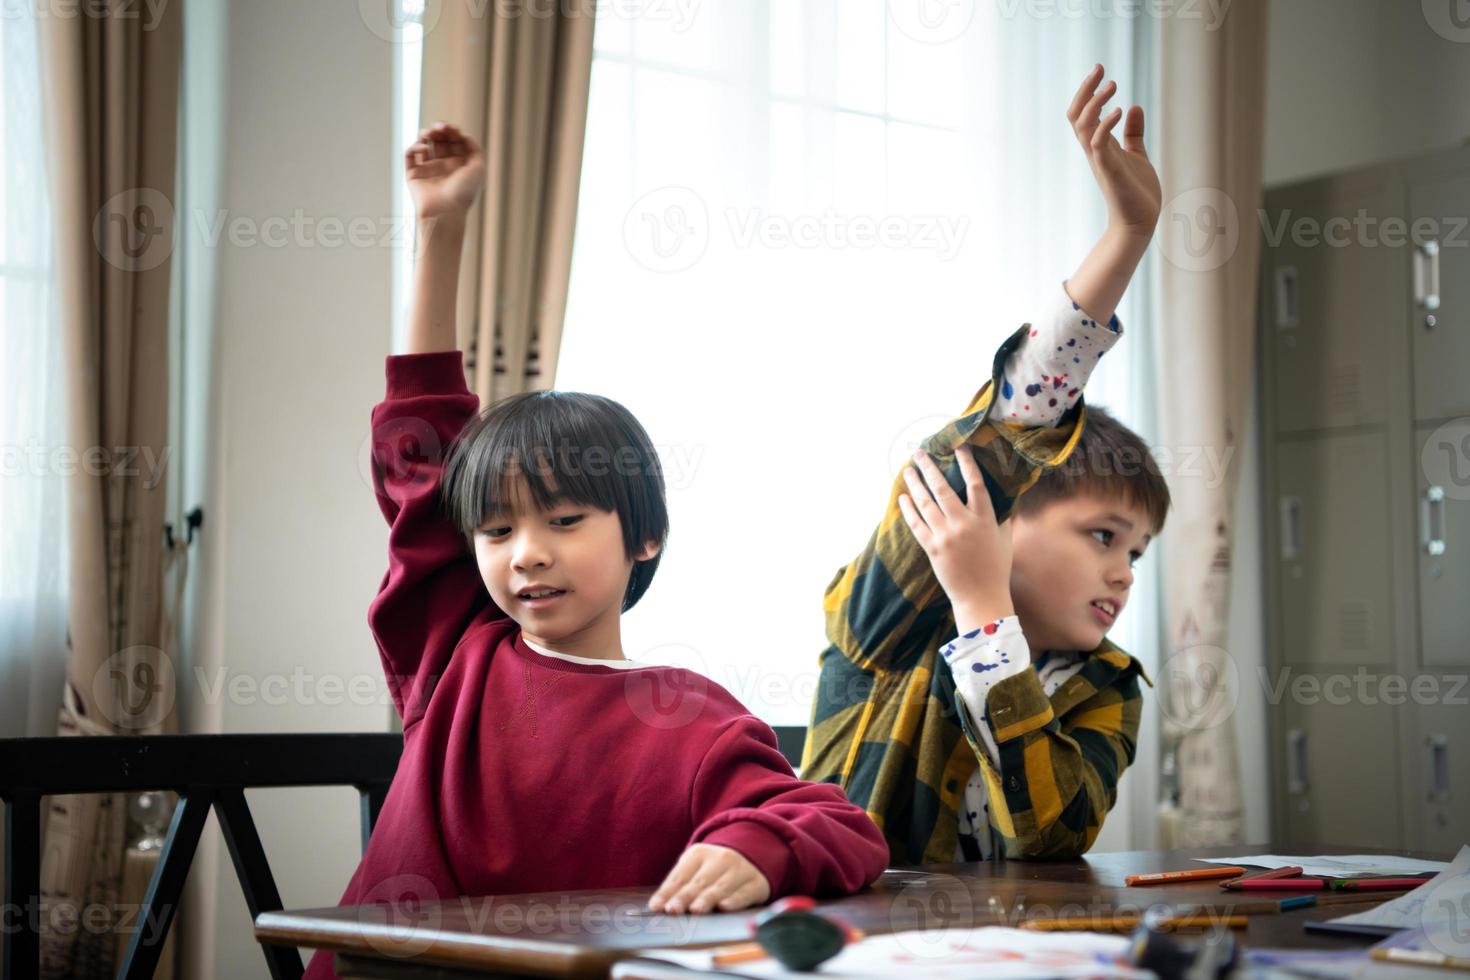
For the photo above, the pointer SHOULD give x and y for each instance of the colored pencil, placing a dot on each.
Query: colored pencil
(1191, 874)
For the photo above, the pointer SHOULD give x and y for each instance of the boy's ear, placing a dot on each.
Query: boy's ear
(650, 548)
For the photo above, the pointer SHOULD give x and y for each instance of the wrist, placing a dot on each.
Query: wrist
(446, 223)
(972, 615)
(1132, 236)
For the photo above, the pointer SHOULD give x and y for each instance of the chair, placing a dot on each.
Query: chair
(206, 771)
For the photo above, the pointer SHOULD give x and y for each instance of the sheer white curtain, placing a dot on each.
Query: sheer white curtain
(32, 552)
(804, 228)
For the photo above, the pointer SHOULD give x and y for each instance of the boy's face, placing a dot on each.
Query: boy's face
(575, 550)
(1068, 557)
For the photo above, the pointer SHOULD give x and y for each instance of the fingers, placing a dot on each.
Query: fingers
(1084, 115)
(977, 497)
(438, 142)
(944, 496)
(1103, 134)
(707, 877)
(1084, 92)
(677, 878)
(699, 900)
(921, 499)
(915, 521)
(753, 892)
(1133, 131)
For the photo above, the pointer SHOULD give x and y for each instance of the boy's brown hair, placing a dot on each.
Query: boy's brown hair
(1110, 461)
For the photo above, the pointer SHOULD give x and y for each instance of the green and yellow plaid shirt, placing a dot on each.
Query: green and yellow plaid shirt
(887, 725)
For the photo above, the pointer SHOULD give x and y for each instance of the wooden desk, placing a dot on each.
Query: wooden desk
(583, 934)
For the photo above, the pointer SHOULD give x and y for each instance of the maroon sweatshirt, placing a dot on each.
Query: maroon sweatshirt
(523, 772)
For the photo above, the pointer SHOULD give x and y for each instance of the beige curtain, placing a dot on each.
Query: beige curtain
(110, 90)
(515, 77)
(1211, 130)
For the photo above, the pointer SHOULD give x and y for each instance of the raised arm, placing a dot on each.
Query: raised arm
(432, 589)
(445, 169)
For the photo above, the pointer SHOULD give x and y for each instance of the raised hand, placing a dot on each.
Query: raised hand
(1128, 180)
(445, 169)
(969, 552)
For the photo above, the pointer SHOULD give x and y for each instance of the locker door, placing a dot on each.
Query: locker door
(1336, 747)
(1334, 300)
(1440, 263)
(1439, 762)
(1335, 595)
(1444, 543)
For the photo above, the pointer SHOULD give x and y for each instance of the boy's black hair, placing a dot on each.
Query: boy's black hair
(568, 446)
(1109, 460)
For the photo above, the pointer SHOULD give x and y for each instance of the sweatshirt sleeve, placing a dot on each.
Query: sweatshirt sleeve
(806, 838)
(432, 589)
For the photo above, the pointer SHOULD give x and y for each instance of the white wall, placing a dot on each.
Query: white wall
(1354, 82)
(287, 108)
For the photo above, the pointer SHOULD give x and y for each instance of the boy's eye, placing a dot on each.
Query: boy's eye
(494, 532)
(567, 521)
(1103, 530)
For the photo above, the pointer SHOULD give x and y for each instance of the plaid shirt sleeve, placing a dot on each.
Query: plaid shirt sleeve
(1060, 757)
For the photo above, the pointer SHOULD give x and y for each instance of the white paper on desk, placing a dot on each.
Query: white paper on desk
(1440, 907)
(1337, 865)
(996, 952)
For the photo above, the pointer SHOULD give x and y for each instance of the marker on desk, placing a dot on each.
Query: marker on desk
(1374, 884)
(794, 934)
(1291, 872)
(1192, 874)
(1334, 884)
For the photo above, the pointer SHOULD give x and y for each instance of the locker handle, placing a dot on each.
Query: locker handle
(1296, 761)
(1439, 768)
(1286, 297)
(1291, 528)
(1426, 275)
(1431, 514)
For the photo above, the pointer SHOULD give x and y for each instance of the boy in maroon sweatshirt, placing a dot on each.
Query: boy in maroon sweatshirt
(536, 757)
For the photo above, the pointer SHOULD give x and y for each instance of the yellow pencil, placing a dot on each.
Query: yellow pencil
(1114, 923)
(1420, 957)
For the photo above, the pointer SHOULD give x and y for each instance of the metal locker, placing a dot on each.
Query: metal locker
(1335, 596)
(1340, 763)
(1443, 544)
(1439, 760)
(1439, 203)
(1334, 302)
